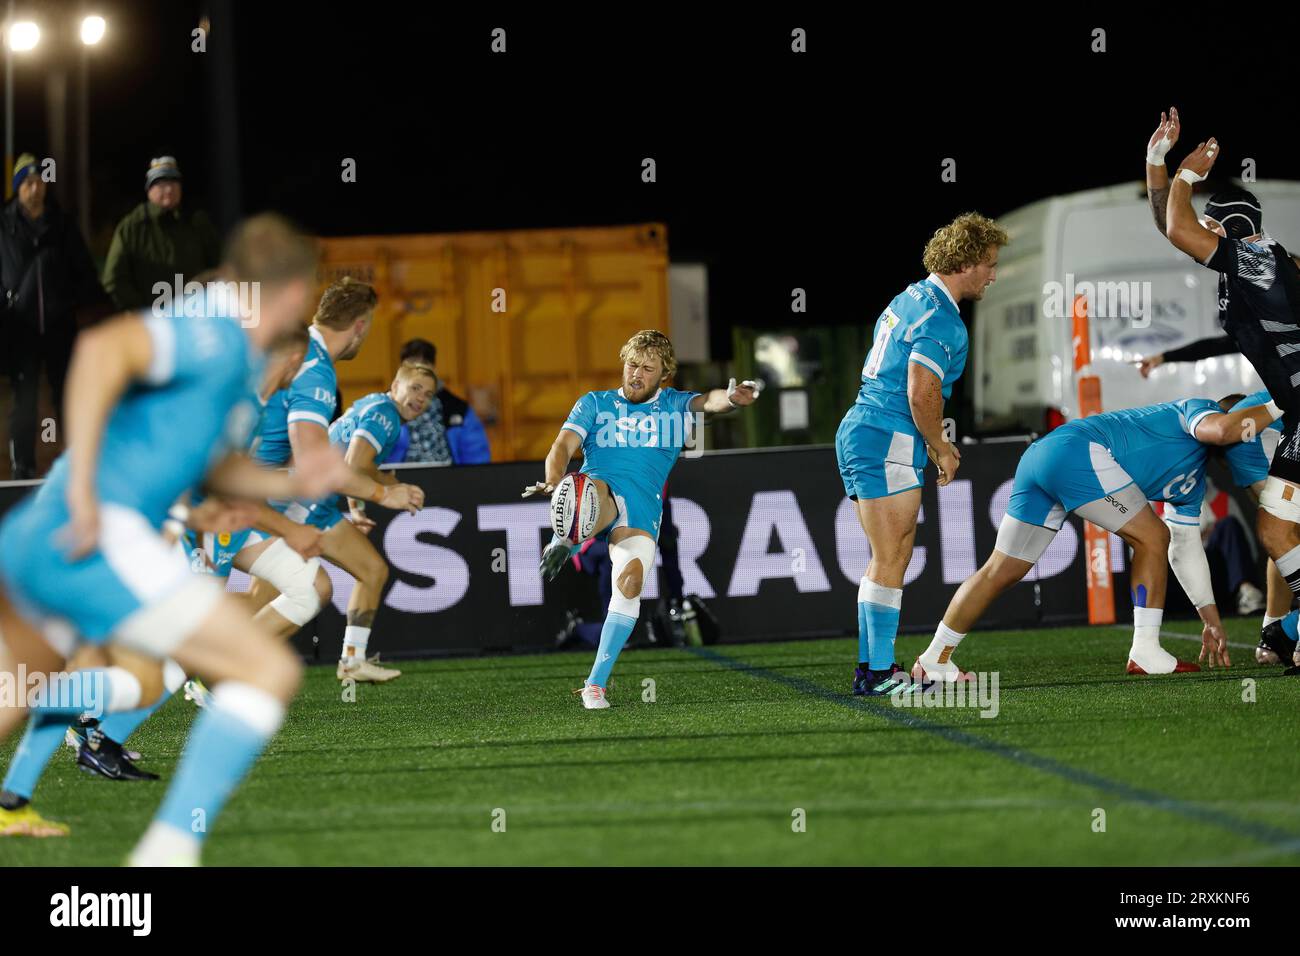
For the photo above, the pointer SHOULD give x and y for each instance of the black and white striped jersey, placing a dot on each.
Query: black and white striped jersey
(1259, 307)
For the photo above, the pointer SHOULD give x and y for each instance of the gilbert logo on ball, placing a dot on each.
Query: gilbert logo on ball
(575, 507)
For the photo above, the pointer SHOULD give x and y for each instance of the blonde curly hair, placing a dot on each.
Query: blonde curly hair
(963, 242)
(652, 342)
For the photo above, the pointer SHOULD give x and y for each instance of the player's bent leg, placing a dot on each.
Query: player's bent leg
(890, 526)
(299, 581)
(59, 702)
(352, 551)
(557, 553)
(99, 748)
(632, 555)
(1278, 524)
(259, 594)
(1019, 546)
(24, 651)
(1277, 639)
(1149, 575)
(253, 678)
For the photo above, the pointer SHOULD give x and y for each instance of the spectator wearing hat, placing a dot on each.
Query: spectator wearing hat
(158, 240)
(46, 274)
(448, 432)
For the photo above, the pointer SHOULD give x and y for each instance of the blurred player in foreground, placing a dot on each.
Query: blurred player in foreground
(630, 439)
(286, 561)
(1106, 468)
(897, 420)
(155, 403)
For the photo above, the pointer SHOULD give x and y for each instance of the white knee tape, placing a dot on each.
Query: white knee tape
(636, 548)
(1272, 500)
(284, 569)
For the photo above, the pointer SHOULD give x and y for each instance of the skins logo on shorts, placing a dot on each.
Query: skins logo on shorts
(1123, 509)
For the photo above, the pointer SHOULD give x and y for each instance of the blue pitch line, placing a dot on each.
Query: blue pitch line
(1282, 839)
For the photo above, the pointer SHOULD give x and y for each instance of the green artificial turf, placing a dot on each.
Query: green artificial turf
(738, 738)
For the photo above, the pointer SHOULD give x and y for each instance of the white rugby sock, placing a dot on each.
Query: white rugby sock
(355, 640)
(945, 639)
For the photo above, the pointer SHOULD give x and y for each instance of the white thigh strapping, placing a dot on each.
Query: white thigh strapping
(1281, 499)
(1017, 539)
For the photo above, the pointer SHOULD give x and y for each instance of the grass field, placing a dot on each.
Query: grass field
(737, 739)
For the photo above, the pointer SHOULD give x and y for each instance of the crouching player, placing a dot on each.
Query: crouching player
(1106, 468)
(630, 439)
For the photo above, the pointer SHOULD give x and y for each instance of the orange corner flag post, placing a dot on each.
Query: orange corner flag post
(1101, 590)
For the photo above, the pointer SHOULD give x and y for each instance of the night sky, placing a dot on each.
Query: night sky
(778, 170)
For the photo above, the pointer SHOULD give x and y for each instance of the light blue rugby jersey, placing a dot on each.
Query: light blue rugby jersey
(1157, 447)
(375, 418)
(310, 397)
(196, 404)
(632, 447)
(921, 325)
(1249, 461)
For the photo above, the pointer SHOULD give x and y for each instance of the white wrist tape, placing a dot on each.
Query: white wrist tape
(1156, 152)
(1274, 409)
(1189, 177)
(1187, 558)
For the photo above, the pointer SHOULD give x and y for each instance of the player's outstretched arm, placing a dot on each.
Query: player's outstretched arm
(925, 398)
(719, 401)
(1228, 428)
(1181, 224)
(1161, 141)
(106, 360)
(238, 476)
(563, 449)
(1192, 569)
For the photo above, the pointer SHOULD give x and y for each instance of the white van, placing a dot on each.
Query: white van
(1144, 297)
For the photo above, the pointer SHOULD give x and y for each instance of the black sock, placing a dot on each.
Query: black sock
(11, 801)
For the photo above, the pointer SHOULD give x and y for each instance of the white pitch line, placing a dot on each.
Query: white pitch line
(1188, 637)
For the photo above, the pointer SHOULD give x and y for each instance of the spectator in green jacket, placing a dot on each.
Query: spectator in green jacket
(157, 240)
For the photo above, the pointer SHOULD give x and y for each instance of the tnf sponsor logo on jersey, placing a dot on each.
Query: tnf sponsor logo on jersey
(74, 908)
(242, 300)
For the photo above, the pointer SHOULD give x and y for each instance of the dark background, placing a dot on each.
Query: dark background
(778, 170)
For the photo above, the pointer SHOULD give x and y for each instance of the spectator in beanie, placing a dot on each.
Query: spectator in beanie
(157, 240)
(46, 274)
(448, 433)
